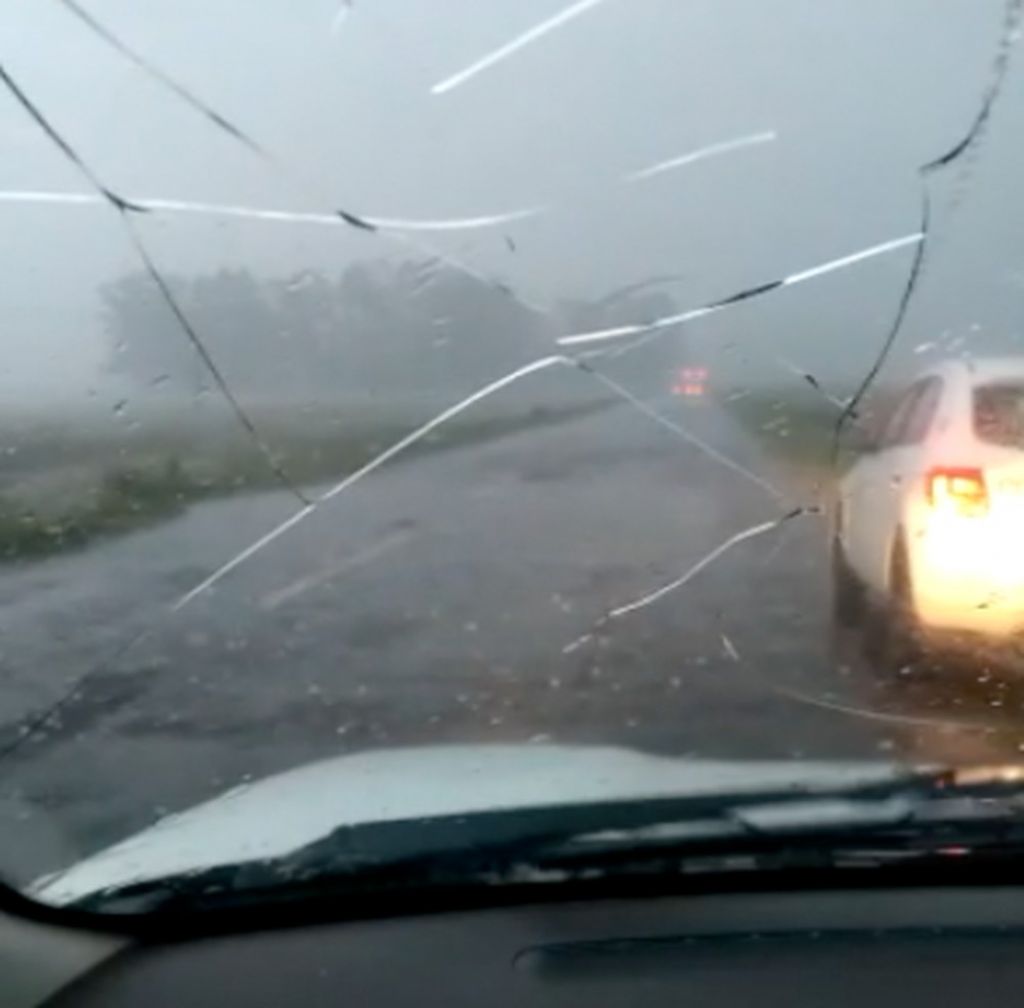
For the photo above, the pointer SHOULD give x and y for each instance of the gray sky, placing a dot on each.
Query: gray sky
(858, 94)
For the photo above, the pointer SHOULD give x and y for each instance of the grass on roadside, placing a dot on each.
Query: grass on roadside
(124, 499)
(147, 490)
(790, 427)
(798, 426)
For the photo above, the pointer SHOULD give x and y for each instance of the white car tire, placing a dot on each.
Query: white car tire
(848, 601)
(892, 637)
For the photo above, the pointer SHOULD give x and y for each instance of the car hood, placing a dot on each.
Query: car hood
(282, 813)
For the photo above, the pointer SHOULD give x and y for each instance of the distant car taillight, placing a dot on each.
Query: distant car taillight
(961, 491)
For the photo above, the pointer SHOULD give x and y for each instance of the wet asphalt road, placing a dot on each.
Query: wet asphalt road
(444, 600)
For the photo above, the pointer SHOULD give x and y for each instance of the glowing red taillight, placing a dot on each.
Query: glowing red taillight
(961, 491)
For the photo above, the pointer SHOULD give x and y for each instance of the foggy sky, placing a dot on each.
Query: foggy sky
(859, 94)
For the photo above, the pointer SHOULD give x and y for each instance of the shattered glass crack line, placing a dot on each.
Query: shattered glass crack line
(886, 717)
(700, 154)
(849, 410)
(1000, 66)
(680, 431)
(509, 48)
(221, 122)
(151, 205)
(403, 445)
(125, 210)
(688, 575)
(667, 321)
(442, 418)
(1012, 15)
(377, 224)
(358, 221)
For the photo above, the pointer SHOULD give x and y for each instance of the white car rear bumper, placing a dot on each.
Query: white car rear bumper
(968, 574)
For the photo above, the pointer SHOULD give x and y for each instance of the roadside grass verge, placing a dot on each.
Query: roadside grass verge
(788, 426)
(124, 499)
(797, 426)
(156, 484)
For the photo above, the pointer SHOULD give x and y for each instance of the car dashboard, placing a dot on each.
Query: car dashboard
(901, 947)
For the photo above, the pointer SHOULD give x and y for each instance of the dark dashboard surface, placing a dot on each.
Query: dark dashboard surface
(934, 947)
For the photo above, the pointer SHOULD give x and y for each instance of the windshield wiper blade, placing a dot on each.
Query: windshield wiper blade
(923, 806)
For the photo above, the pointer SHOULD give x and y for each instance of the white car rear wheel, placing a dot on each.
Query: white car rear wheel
(847, 590)
(893, 636)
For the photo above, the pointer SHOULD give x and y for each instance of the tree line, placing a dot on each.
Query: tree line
(380, 327)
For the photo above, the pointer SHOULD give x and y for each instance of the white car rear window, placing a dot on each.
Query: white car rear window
(999, 414)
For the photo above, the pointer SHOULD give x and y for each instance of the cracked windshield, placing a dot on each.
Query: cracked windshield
(546, 404)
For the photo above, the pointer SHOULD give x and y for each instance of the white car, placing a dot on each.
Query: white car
(928, 535)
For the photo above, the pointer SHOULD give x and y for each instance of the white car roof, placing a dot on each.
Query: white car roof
(979, 370)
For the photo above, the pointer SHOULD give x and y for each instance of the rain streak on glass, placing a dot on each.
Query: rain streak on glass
(598, 373)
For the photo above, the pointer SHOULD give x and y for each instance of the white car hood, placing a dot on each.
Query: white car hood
(282, 813)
